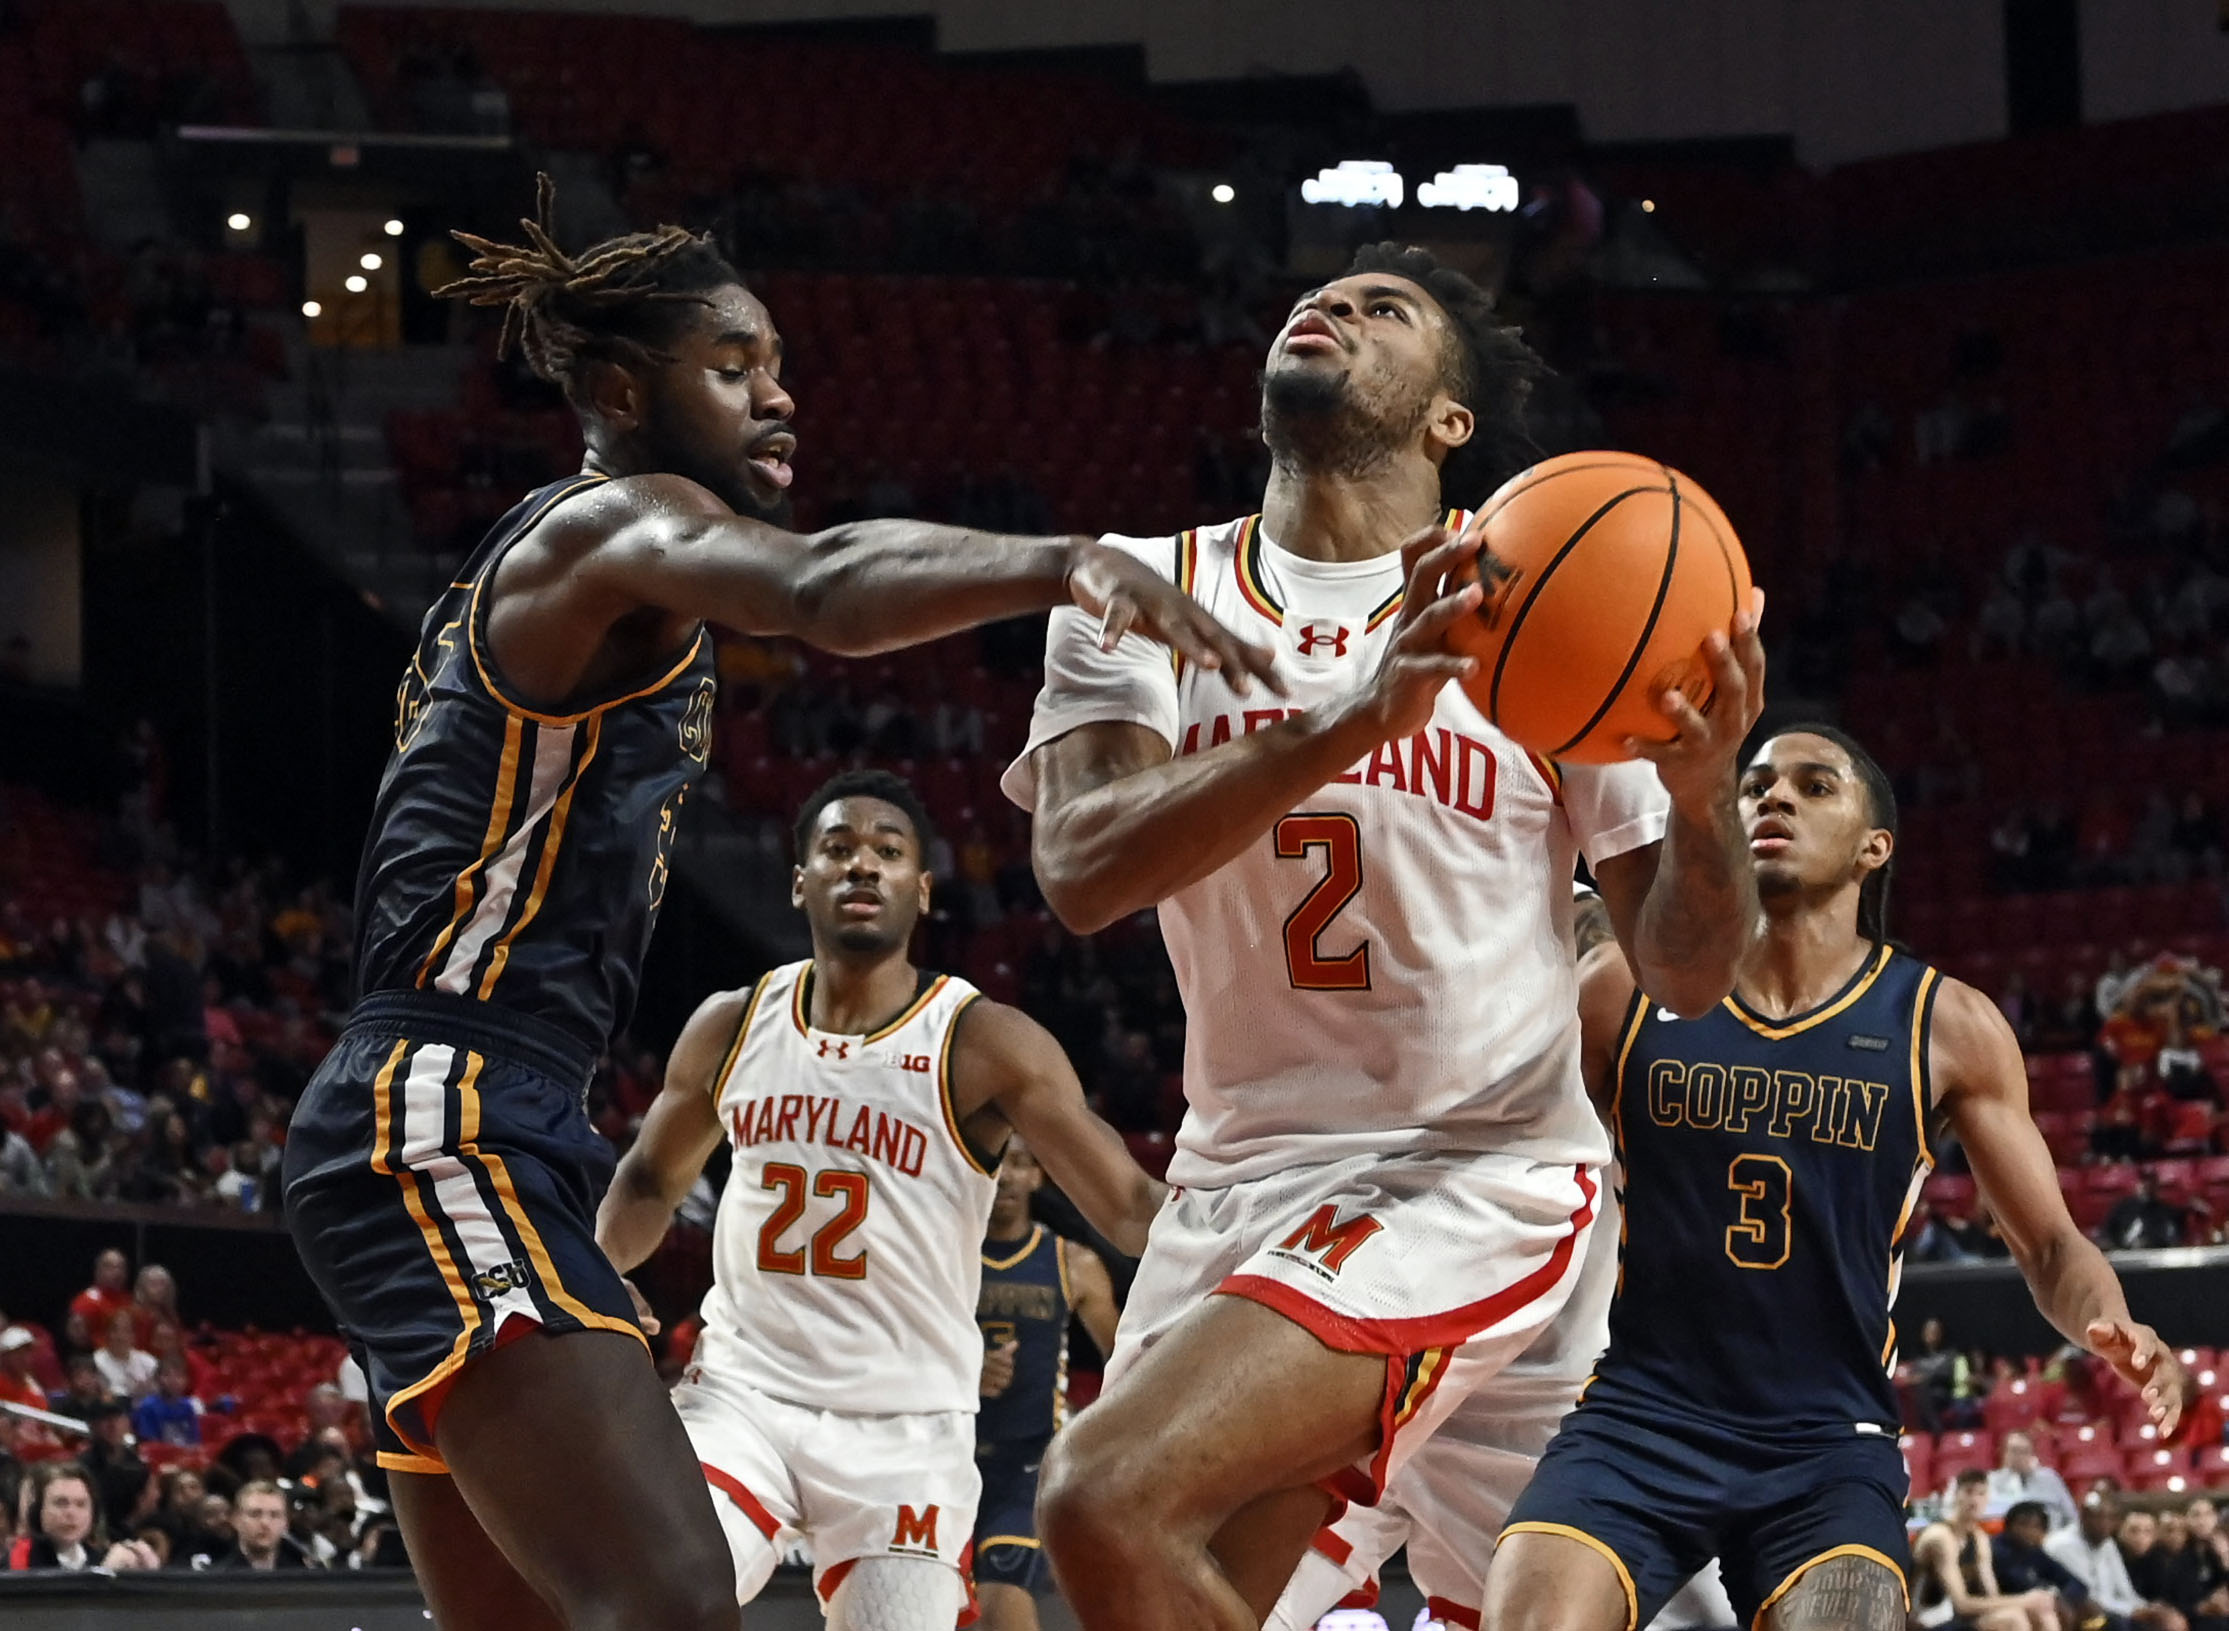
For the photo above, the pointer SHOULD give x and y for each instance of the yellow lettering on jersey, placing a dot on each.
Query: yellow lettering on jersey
(1834, 1109)
(1795, 1098)
(1863, 1128)
(1667, 1092)
(1752, 1092)
(1015, 1300)
(1706, 1095)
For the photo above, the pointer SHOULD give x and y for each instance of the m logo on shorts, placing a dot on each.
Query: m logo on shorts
(1329, 1241)
(916, 1531)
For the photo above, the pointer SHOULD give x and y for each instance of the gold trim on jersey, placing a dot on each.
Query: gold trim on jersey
(1861, 983)
(1757, 1622)
(491, 845)
(1632, 1034)
(546, 864)
(801, 994)
(742, 1030)
(1922, 1092)
(1550, 774)
(1253, 586)
(1565, 1531)
(944, 1086)
(1036, 1238)
(1060, 1262)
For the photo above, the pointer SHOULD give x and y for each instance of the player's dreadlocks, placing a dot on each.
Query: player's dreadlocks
(1492, 372)
(615, 302)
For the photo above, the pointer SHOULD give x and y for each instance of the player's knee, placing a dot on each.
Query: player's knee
(1084, 1504)
(671, 1598)
(1547, 1583)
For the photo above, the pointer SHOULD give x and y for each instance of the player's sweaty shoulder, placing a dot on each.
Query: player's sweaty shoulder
(620, 515)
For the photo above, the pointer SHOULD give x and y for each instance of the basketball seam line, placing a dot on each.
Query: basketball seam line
(1633, 660)
(1532, 595)
(1626, 463)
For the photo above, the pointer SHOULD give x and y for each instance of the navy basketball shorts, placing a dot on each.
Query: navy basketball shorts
(1659, 1499)
(442, 1179)
(1006, 1548)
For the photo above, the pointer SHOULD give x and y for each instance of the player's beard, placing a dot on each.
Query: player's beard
(1317, 424)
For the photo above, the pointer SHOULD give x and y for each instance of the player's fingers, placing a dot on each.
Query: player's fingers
(2110, 1339)
(643, 1316)
(1440, 665)
(1417, 556)
(1429, 627)
(1685, 718)
(1116, 621)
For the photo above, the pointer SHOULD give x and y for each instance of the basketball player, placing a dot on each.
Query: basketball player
(833, 1392)
(441, 1171)
(1389, 1165)
(1033, 1281)
(1771, 1151)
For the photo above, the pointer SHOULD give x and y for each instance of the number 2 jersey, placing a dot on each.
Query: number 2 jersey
(846, 1251)
(1387, 970)
(1770, 1169)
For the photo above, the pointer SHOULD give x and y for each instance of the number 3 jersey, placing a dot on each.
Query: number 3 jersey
(847, 1247)
(1769, 1171)
(1387, 970)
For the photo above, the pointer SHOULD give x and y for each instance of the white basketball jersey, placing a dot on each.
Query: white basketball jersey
(1387, 970)
(847, 1252)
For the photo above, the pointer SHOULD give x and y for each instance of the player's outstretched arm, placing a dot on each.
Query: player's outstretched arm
(1091, 1294)
(678, 1136)
(1121, 824)
(1007, 1065)
(1686, 910)
(664, 542)
(1981, 1083)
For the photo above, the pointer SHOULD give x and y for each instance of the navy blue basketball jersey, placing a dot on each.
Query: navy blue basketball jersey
(519, 857)
(1025, 1301)
(1769, 1171)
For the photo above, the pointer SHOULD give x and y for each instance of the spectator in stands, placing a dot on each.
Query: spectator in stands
(12, 1474)
(241, 1186)
(20, 1168)
(107, 1296)
(171, 1414)
(119, 1475)
(2202, 1582)
(1944, 1380)
(154, 1300)
(82, 1387)
(2148, 1567)
(179, 1510)
(127, 1368)
(2141, 1221)
(1953, 1568)
(2024, 1566)
(17, 1384)
(216, 1526)
(64, 1529)
(2091, 1551)
(2190, 1577)
(2023, 1479)
(259, 1522)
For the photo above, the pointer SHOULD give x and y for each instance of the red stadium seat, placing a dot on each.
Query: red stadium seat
(1919, 1461)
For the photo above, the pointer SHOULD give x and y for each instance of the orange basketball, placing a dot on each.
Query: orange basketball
(1613, 569)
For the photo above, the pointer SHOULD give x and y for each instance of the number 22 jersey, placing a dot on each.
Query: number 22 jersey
(1387, 970)
(846, 1251)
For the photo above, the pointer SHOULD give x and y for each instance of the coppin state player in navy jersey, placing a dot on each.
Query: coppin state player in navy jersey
(1033, 1282)
(1770, 1153)
(441, 1171)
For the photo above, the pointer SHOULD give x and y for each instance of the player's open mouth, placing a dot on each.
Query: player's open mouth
(859, 903)
(771, 459)
(1313, 332)
(1770, 838)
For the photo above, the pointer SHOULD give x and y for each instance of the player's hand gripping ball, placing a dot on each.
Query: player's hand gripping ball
(1604, 574)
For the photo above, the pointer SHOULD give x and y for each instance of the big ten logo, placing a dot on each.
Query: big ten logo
(696, 723)
(1330, 637)
(917, 1062)
(916, 1531)
(669, 827)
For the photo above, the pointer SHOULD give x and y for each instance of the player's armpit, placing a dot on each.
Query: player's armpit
(1848, 1593)
(1005, 1064)
(678, 1135)
(1605, 1001)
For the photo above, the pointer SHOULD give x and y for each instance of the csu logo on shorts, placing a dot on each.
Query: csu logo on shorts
(1324, 1244)
(696, 723)
(916, 1531)
(1332, 636)
(490, 1284)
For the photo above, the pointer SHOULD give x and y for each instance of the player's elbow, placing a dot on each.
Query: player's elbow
(1077, 891)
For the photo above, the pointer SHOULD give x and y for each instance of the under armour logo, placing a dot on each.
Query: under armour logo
(842, 1050)
(1333, 635)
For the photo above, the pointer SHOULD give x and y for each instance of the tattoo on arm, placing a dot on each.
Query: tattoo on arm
(1842, 1594)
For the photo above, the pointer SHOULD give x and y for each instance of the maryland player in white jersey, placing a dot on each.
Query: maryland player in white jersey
(832, 1396)
(1389, 1165)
